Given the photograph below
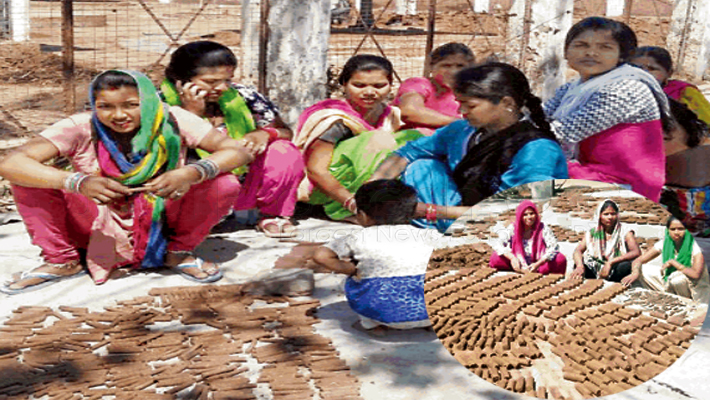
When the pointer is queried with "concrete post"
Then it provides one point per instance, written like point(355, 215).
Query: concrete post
point(689, 37)
point(543, 60)
point(614, 8)
point(297, 54)
point(20, 20)
point(249, 56)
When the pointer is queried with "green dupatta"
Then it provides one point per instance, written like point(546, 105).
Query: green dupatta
point(684, 255)
point(237, 116)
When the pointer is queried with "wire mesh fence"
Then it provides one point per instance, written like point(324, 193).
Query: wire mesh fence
point(140, 34)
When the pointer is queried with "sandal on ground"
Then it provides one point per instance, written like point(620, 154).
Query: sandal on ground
point(49, 279)
point(213, 274)
point(284, 227)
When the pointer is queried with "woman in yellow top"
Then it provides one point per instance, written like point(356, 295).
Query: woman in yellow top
point(658, 62)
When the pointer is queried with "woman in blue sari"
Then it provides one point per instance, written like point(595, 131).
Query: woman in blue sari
point(504, 141)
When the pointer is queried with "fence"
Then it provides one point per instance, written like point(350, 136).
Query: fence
point(41, 79)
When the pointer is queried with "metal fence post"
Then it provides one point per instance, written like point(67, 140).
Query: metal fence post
point(263, 47)
point(430, 35)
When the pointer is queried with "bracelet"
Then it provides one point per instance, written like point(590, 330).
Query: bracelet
point(431, 213)
point(273, 133)
point(73, 182)
point(349, 202)
point(207, 169)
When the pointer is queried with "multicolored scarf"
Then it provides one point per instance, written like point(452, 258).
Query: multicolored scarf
point(318, 118)
point(684, 255)
point(237, 116)
point(675, 88)
point(155, 149)
point(580, 93)
point(538, 244)
point(599, 249)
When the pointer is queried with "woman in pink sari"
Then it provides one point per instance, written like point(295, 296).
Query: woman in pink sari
point(611, 120)
point(528, 245)
point(658, 62)
point(131, 200)
point(429, 103)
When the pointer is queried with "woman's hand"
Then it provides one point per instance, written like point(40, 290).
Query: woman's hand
point(255, 142)
point(577, 273)
point(629, 279)
point(172, 184)
point(606, 270)
point(515, 264)
point(670, 264)
point(534, 266)
point(192, 97)
point(103, 190)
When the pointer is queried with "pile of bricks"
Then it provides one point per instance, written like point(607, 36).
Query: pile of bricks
point(195, 341)
point(497, 324)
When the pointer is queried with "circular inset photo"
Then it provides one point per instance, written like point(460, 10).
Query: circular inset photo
point(567, 289)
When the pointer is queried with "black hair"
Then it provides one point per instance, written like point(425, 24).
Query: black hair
point(670, 220)
point(450, 49)
point(695, 128)
point(387, 201)
point(365, 62)
point(609, 203)
point(493, 81)
point(187, 59)
point(111, 80)
point(622, 34)
point(661, 55)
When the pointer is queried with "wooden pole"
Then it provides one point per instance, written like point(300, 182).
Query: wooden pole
point(527, 22)
point(430, 35)
point(263, 47)
point(627, 11)
point(68, 56)
point(680, 59)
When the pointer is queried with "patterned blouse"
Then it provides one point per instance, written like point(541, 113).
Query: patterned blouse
point(262, 109)
point(626, 101)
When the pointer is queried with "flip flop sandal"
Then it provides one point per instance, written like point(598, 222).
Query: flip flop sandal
point(180, 268)
point(281, 224)
point(48, 277)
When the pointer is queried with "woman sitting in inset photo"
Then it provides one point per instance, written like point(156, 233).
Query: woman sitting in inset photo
point(529, 245)
point(607, 250)
point(683, 270)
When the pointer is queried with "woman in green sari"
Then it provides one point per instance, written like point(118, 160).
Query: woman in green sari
point(344, 141)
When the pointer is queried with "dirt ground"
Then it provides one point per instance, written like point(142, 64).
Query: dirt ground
point(123, 34)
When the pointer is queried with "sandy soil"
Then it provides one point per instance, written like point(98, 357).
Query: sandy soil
point(123, 34)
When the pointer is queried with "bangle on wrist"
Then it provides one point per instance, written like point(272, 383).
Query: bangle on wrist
point(273, 133)
point(347, 204)
point(431, 213)
point(72, 183)
point(207, 169)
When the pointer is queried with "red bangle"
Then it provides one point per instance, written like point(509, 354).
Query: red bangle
point(273, 133)
point(431, 212)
